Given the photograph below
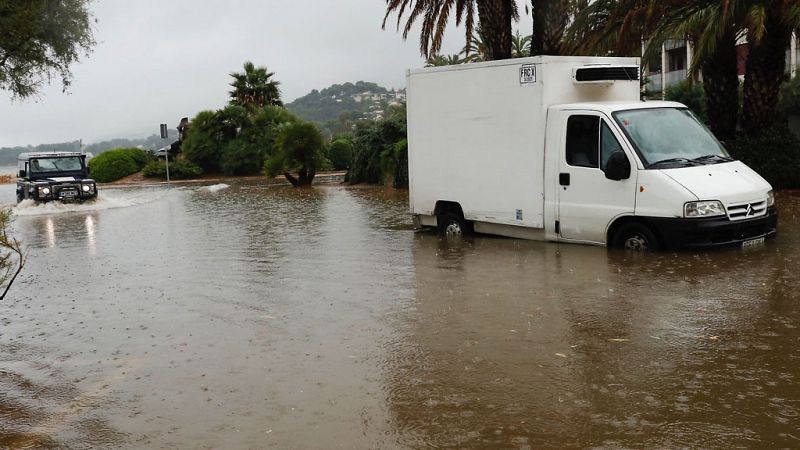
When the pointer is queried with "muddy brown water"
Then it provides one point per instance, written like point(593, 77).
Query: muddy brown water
point(267, 317)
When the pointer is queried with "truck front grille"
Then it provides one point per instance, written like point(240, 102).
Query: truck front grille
point(747, 210)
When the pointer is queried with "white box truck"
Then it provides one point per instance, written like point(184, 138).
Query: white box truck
point(562, 149)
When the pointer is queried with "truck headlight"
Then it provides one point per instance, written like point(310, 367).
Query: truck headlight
point(710, 208)
point(770, 198)
point(44, 191)
point(86, 188)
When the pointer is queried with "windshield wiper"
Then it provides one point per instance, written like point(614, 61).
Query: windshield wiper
point(674, 161)
point(710, 157)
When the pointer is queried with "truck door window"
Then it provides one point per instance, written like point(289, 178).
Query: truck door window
point(583, 139)
point(608, 144)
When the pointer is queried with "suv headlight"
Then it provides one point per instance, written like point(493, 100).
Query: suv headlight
point(770, 198)
point(86, 188)
point(44, 191)
point(710, 208)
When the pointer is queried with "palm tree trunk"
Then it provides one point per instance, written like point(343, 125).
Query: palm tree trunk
point(766, 70)
point(721, 85)
point(549, 22)
point(495, 17)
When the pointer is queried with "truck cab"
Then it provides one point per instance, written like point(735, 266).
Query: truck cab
point(48, 176)
point(647, 175)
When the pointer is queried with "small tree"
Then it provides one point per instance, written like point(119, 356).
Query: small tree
point(340, 153)
point(298, 148)
point(9, 269)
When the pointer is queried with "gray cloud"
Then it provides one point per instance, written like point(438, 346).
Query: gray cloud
point(158, 61)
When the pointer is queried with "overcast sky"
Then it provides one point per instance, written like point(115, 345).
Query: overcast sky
point(159, 60)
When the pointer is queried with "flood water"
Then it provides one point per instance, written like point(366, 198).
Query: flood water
point(268, 317)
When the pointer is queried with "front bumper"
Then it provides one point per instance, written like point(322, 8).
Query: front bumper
point(714, 232)
point(65, 193)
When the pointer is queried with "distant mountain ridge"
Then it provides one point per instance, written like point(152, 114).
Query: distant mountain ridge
point(8, 155)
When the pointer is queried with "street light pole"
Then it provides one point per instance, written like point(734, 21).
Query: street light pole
point(165, 136)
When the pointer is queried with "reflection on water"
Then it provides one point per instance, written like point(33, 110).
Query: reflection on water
point(252, 316)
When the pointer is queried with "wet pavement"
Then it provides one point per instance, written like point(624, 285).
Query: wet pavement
point(267, 317)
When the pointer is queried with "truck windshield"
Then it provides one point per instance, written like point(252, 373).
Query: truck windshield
point(670, 137)
point(64, 164)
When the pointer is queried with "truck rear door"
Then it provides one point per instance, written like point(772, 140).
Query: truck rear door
point(587, 201)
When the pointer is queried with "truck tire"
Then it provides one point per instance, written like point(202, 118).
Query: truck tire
point(453, 225)
point(19, 196)
point(635, 237)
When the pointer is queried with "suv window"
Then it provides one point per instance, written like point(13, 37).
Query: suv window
point(65, 164)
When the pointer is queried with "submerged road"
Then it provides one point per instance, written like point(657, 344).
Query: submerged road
point(250, 316)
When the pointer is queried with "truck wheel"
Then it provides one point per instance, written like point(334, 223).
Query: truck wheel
point(635, 237)
point(19, 197)
point(453, 225)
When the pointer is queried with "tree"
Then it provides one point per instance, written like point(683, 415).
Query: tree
point(550, 19)
point(254, 88)
point(298, 148)
point(770, 24)
point(444, 60)
point(495, 17)
point(8, 268)
point(340, 153)
point(520, 45)
point(40, 40)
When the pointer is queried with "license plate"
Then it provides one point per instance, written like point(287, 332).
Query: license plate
point(753, 242)
point(69, 194)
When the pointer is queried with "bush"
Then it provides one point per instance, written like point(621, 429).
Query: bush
point(340, 154)
point(375, 152)
point(178, 170)
point(115, 164)
point(773, 154)
point(691, 95)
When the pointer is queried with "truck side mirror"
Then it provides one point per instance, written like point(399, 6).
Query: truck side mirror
point(618, 166)
point(22, 174)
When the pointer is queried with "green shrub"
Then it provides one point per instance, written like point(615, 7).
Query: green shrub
point(340, 154)
point(240, 157)
point(178, 170)
point(374, 157)
point(115, 164)
point(773, 154)
point(691, 95)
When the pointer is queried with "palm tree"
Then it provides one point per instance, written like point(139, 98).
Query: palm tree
point(444, 60)
point(495, 17)
point(477, 48)
point(255, 88)
point(550, 19)
point(520, 45)
point(770, 25)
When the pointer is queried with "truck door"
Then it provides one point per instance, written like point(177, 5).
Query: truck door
point(588, 201)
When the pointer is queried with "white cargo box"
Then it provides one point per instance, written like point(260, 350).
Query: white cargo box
point(476, 132)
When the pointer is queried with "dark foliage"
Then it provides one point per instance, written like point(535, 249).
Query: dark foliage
point(773, 154)
point(178, 170)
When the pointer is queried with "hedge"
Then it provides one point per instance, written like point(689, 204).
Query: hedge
point(178, 170)
point(115, 164)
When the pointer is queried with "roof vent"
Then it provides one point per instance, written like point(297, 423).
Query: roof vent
point(605, 74)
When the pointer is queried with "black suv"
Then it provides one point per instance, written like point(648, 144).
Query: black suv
point(47, 176)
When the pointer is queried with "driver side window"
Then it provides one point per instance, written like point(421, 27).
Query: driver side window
point(590, 142)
